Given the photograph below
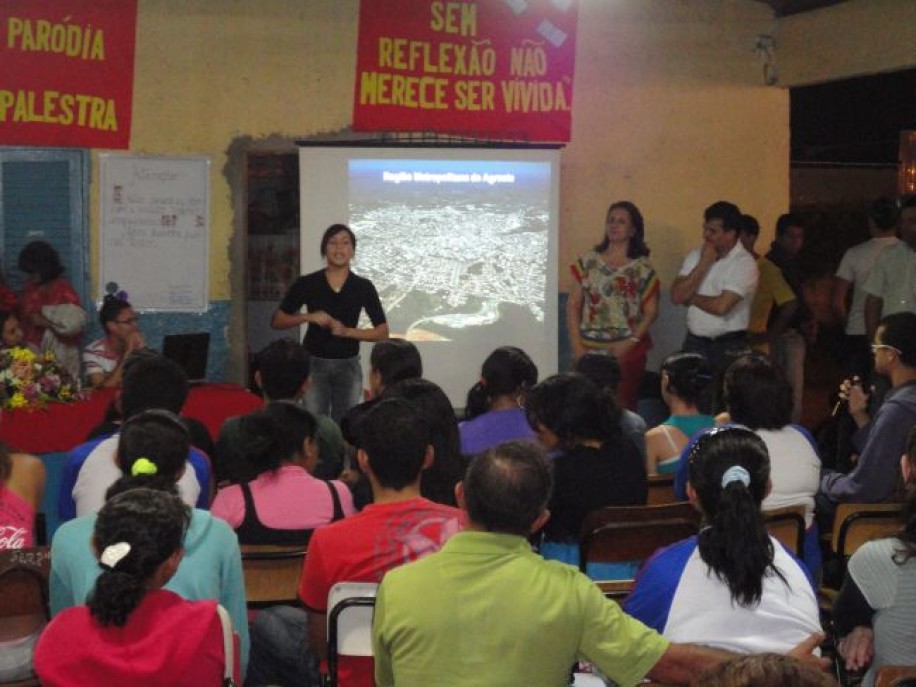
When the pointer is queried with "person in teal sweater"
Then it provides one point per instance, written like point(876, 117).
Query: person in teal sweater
point(152, 449)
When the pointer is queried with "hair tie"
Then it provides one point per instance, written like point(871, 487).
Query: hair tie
point(736, 473)
point(113, 554)
point(143, 466)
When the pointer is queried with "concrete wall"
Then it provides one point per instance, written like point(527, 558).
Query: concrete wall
point(670, 111)
point(853, 38)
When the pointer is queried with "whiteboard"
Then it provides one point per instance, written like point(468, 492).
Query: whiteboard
point(154, 235)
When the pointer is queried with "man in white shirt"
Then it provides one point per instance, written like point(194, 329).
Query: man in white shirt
point(717, 282)
point(891, 286)
point(856, 265)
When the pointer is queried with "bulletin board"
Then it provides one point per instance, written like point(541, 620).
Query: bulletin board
point(154, 234)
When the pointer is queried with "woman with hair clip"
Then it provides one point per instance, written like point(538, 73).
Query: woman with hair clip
point(103, 359)
point(132, 631)
point(493, 413)
point(152, 450)
point(875, 613)
point(732, 586)
point(684, 378)
point(284, 503)
point(615, 298)
point(595, 464)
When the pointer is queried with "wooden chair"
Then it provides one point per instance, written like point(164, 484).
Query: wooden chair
point(787, 524)
point(617, 534)
point(271, 573)
point(896, 676)
point(23, 595)
point(661, 490)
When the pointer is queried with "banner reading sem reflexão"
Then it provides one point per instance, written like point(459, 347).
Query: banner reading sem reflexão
point(66, 72)
point(480, 68)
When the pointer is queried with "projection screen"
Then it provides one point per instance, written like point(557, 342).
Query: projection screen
point(460, 243)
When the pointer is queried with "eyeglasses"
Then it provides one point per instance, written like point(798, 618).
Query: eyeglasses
point(877, 347)
point(132, 320)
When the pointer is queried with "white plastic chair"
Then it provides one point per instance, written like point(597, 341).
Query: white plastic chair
point(350, 608)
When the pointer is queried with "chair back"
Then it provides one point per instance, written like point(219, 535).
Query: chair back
point(271, 573)
point(661, 490)
point(350, 608)
point(787, 524)
point(614, 534)
point(857, 523)
point(23, 596)
point(896, 676)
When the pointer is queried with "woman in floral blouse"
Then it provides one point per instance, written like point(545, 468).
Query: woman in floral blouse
point(615, 299)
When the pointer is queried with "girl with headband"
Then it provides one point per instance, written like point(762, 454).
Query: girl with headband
point(732, 586)
point(132, 631)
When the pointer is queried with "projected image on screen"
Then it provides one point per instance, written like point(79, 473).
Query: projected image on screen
point(453, 245)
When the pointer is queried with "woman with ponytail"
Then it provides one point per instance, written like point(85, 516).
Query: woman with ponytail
point(875, 613)
point(684, 379)
point(132, 631)
point(595, 464)
point(732, 586)
point(492, 413)
point(152, 453)
point(284, 503)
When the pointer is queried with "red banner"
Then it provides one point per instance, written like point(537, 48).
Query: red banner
point(67, 72)
point(485, 69)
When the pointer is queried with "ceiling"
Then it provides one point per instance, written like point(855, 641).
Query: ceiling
point(784, 8)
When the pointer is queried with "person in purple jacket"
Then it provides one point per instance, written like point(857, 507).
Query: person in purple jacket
point(493, 413)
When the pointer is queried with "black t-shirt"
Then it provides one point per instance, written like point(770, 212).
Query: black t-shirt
point(587, 478)
point(314, 292)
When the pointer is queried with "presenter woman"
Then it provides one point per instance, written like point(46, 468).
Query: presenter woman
point(615, 299)
point(333, 299)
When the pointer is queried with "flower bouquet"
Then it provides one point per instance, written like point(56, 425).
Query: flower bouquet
point(30, 380)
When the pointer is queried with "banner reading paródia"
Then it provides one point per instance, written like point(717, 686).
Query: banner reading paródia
point(67, 72)
point(500, 69)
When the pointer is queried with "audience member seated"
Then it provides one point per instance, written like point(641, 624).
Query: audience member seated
point(134, 632)
point(448, 464)
point(880, 440)
point(391, 361)
point(22, 486)
point(486, 610)
point(150, 381)
point(604, 371)
point(732, 586)
point(22, 483)
point(685, 377)
point(493, 412)
point(875, 613)
point(282, 374)
point(103, 359)
point(285, 502)
point(11, 335)
point(400, 526)
point(764, 670)
point(595, 464)
point(758, 397)
point(152, 449)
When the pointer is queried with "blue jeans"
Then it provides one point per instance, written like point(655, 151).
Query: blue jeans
point(335, 386)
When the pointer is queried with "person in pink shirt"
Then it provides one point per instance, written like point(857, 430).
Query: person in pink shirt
point(22, 485)
point(284, 503)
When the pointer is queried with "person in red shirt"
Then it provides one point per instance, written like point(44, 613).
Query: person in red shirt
point(132, 631)
point(398, 527)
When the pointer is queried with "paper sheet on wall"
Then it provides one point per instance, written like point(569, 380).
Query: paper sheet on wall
point(154, 235)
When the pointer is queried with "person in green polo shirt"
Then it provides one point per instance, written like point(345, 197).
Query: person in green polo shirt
point(486, 610)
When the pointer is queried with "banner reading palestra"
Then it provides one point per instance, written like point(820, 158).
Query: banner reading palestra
point(67, 72)
point(482, 68)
